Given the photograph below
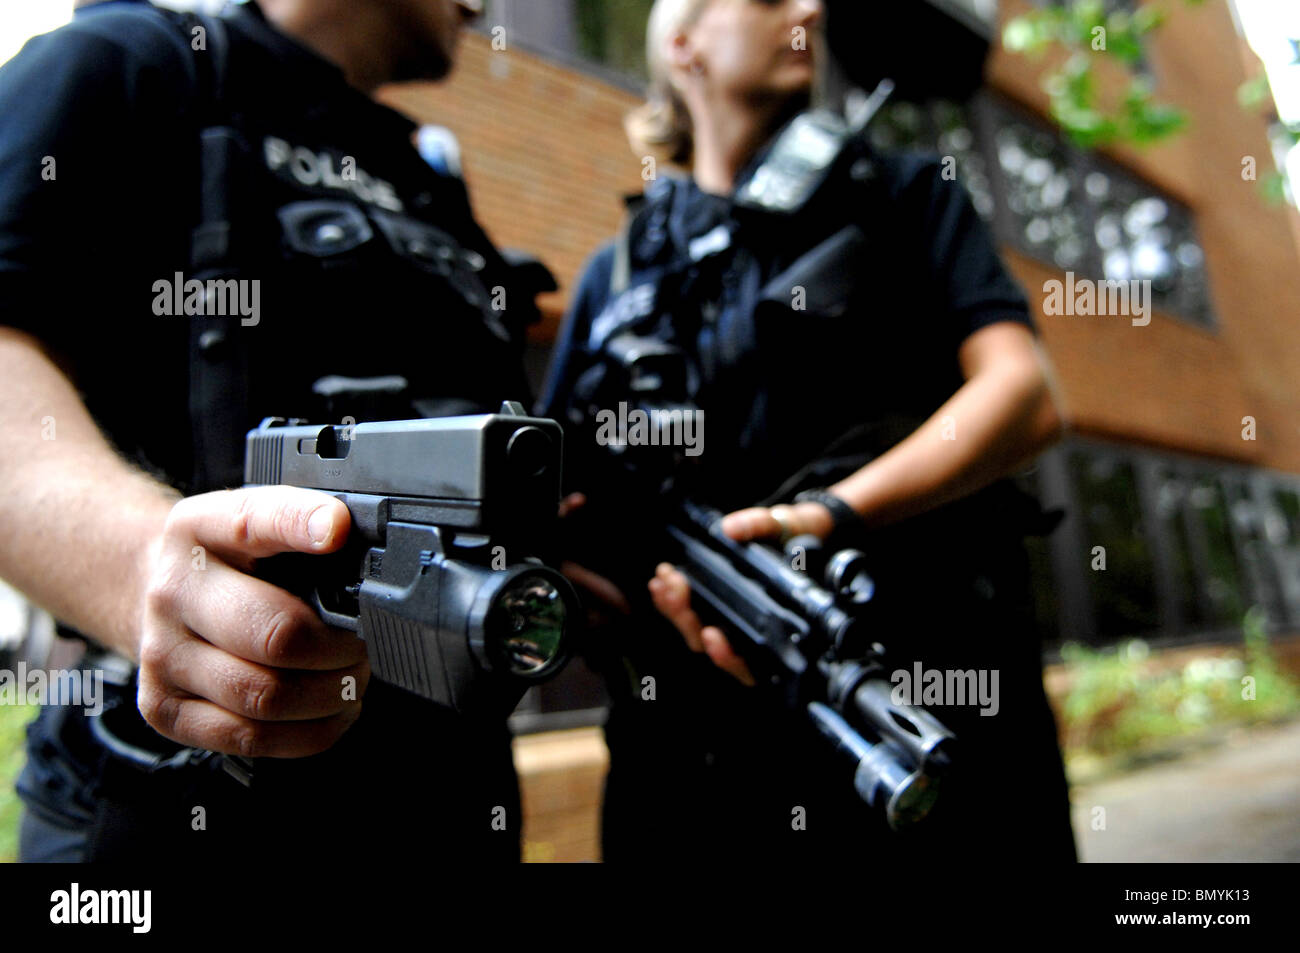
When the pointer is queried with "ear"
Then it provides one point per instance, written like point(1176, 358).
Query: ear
point(681, 51)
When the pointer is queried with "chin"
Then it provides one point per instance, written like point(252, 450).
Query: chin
point(798, 89)
point(801, 73)
point(430, 68)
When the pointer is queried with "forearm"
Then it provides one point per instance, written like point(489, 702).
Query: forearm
point(78, 519)
point(995, 423)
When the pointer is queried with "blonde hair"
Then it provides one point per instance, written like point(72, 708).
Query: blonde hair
point(662, 126)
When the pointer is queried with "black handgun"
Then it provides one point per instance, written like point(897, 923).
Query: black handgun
point(441, 574)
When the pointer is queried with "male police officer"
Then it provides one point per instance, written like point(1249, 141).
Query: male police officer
point(142, 151)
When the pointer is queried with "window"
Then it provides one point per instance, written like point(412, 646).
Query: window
point(1109, 6)
point(956, 137)
point(1207, 578)
point(1043, 194)
point(1222, 590)
point(980, 14)
point(613, 34)
point(545, 27)
point(1075, 211)
point(941, 127)
point(1280, 518)
point(904, 125)
point(604, 37)
point(1191, 546)
point(1171, 501)
point(1250, 532)
point(1285, 528)
point(1123, 592)
point(1148, 237)
point(1085, 213)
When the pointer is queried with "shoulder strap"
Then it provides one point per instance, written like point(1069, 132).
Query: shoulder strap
point(621, 273)
point(209, 72)
point(218, 354)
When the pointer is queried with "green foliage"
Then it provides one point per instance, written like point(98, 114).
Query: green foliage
point(1254, 93)
point(614, 33)
point(13, 725)
point(1125, 702)
point(1257, 94)
point(1085, 30)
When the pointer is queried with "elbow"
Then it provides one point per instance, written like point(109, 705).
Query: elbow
point(1041, 419)
point(1049, 416)
point(1045, 409)
point(1055, 428)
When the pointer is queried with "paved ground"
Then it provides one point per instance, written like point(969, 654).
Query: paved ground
point(1237, 802)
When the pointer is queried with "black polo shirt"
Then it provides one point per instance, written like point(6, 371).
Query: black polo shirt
point(707, 767)
point(99, 194)
point(876, 339)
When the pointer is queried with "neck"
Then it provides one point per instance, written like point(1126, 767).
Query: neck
point(359, 39)
point(727, 137)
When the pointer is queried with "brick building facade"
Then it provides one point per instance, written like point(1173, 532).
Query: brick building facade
point(1185, 455)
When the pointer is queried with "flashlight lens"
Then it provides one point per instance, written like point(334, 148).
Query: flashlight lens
point(912, 801)
point(526, 624)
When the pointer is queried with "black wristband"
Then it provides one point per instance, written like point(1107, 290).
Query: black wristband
point(843, 516)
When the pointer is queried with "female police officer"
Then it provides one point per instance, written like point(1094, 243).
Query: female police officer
point(851, 334)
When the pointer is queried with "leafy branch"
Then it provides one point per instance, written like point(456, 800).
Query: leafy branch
point(1087, 29)
point(1256, 94)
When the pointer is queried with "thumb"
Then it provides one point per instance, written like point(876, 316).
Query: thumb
point(261, 521)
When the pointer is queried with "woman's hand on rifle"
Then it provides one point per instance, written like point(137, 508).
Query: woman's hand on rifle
point(671, 592)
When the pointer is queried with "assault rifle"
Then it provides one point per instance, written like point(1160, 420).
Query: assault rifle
point(806, 632)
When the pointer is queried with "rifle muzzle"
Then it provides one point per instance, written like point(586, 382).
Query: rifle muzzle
point(881, 779)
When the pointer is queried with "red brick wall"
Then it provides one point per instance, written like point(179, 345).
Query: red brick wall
point(1169, 383)
point(546, 161)
point(544, 153)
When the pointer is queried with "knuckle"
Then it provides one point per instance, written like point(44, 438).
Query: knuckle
point(156, 649)
point(248, 740)
point(243, 530)
point(160, 710)
point(157, 596)
point(162, 590)
point(153, 653)
point(261, 696)
point(147, 700)
point(179, 518)
point(282, 634)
